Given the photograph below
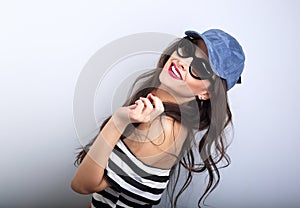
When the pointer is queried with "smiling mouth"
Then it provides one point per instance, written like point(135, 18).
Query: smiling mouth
point(174, 72)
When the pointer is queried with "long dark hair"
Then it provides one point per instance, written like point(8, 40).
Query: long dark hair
point(210, 116)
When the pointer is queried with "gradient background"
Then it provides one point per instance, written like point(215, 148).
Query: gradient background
point(45, 44)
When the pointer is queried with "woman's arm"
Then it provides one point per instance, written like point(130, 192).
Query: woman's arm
point(89, 175)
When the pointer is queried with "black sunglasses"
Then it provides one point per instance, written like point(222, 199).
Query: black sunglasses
point(200, 68)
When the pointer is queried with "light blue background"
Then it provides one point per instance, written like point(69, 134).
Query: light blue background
point(45, 44)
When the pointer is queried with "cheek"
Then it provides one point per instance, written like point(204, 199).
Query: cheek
point(166, 65)
point(197, 86)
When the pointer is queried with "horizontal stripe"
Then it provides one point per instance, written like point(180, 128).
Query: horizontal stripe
point(121, 204)
point(137, 169)
point(128, 180)
point(133, 183)
point(147, 172)
point(105, 194)
point(100, 204)
point(119, 164)
point(149, 169)
point(117, 199)
point(131, 203)
point(129, 187)
point(131, 191)
point(131, 199)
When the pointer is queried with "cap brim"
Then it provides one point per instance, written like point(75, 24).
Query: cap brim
point(193, 34)
point(196, 35)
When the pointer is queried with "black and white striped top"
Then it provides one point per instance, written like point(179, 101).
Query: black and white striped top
point(133, 183)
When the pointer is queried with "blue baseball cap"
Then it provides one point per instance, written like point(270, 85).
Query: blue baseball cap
point(225, 54)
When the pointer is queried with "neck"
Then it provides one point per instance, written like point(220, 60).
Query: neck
point(166, 96)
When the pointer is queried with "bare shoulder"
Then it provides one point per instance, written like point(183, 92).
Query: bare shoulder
point(170, 142)
point(163, 134)
point(173, 126)
point(159, 143)
point(174, 133)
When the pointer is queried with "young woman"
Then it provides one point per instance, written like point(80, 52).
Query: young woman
point(138, 148)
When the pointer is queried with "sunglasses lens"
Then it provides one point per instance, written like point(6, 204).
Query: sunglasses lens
point(186, 48)
point(200, 69)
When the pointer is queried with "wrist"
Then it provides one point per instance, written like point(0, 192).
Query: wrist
point(120, 120)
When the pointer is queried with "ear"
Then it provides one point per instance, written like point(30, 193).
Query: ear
point(204, 96)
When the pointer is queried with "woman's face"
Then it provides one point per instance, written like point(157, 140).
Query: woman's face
point(176, 79)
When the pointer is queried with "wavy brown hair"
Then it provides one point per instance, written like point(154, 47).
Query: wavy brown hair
point(210, 117)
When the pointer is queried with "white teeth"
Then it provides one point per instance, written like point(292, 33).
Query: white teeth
point(175, 72)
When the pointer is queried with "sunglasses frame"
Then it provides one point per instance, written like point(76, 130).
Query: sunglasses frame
point(201, 61)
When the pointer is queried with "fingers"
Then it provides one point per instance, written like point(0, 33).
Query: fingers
point(139, 106)
point(146, 109)
point(132, 106)
point(156, 102)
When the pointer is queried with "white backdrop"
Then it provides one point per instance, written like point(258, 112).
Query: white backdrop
point(44, 45)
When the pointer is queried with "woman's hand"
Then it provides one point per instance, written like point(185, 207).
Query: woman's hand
point(144, 110)
point(89, 177)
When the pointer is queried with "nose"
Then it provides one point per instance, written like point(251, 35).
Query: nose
point(184, 63)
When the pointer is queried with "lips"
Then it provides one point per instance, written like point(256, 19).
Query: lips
point(174, 72)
